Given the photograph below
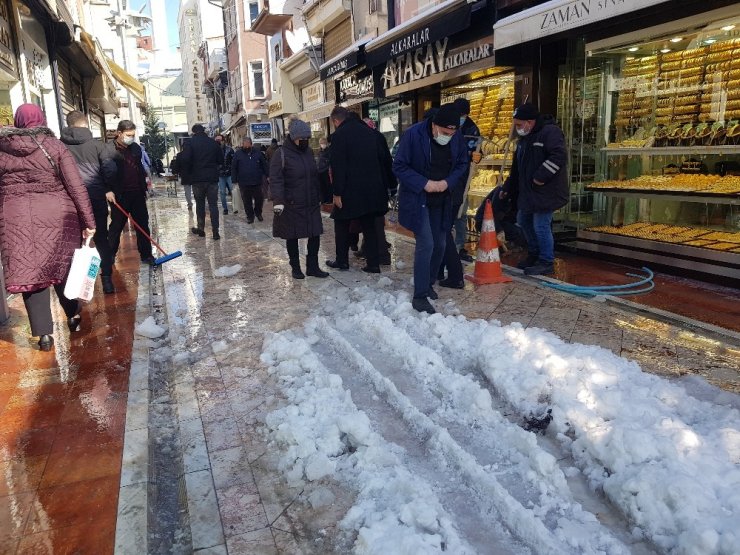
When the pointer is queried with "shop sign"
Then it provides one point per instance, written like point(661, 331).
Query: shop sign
point(433, 59)
point(274, 109)
point(7, 54)
point(379, 50)
point(338, 66)
point(260, 131)
point(313, 95)
point(353, 86)
point(557, 16)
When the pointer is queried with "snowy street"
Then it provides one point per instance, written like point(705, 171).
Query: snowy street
point(327, 416)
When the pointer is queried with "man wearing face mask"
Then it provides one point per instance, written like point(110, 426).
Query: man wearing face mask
point(248, 169)
point(129, 189)
point(430, 162)
point(539, 178)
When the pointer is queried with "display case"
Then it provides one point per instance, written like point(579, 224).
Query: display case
point(666, 187)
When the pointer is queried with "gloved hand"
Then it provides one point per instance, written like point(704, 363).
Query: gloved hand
point(278, 209)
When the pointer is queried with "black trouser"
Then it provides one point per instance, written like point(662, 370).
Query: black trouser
point(38, 307)
point(380, 237)
point(253, 199)
point(100, 211)
point(201, 192)
point(325, 187)
point(342, 239)
point(312, 258)
point(451, 259)
point(135, 204)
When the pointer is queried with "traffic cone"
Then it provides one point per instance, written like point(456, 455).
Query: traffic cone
point(488, 261)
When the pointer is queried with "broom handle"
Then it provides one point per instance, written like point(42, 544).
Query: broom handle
point(131, 219)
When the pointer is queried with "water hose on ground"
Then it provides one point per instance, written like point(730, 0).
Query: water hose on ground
point(616, 290)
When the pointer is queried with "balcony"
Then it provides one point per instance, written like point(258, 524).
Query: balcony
point(217, 62)
point(273, 17)
point(322, 15)
point(303, 66)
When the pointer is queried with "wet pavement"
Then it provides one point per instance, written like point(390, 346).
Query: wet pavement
point(62, 417)
point(198, 474)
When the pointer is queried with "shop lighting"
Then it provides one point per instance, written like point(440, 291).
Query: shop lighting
point(710, 41)
point(633, 49)
point(676, 39)
point(665, 50)
point(728, 27)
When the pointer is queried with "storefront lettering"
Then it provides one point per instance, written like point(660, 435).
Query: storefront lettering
point(469, 55)
point(574, 12)
point(341, 65)
point(409, 42)
point(351, 86)
point(274, 108)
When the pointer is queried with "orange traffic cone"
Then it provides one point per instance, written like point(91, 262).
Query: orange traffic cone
point(488, 261)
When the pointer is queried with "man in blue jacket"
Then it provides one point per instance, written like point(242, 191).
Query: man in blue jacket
point(429, 164)
point(540, 179)
point(248, 169)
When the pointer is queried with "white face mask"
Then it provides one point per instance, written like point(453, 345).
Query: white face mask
point(442, 140)
point(522, 132)
point(462, 120)
point(128, 141)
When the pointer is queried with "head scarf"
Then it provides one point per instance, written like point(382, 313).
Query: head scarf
point(29, 115)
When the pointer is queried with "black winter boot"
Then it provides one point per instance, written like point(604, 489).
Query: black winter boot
point(297, 272)
point(312, 267)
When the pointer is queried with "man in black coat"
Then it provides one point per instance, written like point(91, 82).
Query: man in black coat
point(200, 160)
point(130, 190)
point(248, 169)
point(98, 171)
point(360, 169)
point(224, 171)
point(540, 179)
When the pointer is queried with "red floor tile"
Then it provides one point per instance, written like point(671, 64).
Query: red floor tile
point(21, 475)
point(14, 511)
point(20, 443)
point(92, 461)
point(78, 435)
point(90, 538)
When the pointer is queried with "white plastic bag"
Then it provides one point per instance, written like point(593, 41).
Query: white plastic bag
point(82, 273)
point(236, 198)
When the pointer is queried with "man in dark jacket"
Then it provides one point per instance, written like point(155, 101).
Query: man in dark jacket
point(224, 171)
point(430, 162)
point(322, 163)
point(539, 177)
point(177, 169)
point(98, 172)
point(200, 160)
point(248, 169)
point(471, 133)
point(359, 184)
point(130, 189)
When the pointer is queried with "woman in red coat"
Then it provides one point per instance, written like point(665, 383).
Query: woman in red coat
point(43, 209)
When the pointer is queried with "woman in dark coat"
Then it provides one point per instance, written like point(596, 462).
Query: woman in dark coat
point(296, 197)
point(44, 213)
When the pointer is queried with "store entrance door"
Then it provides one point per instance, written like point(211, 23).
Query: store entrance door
point(427, 98)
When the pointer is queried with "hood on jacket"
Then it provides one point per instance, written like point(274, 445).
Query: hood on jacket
point(75, 135)
point(19, 141)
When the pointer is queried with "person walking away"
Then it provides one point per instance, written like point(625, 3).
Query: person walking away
point(43, 203)
point(98, 171)
point(323, 165)
point(471, 134)
point(248, 169)
point(272, 149)
point(177, 169)
point(224, 171)
point(431, 160)
point(296, 194)
point(201, 158)
point(357, 164)
point(539, 179)
point(129, 190)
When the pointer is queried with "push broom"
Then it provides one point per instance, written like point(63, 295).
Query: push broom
point(161, 259)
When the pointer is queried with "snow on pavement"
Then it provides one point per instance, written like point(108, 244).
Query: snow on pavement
point(420, 416)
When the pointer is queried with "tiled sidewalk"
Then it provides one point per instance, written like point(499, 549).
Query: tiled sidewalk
point(62, 418)
point(238, 502)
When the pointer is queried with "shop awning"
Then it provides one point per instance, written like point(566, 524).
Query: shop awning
point(127, 80)
point(238, 122)
point(103, 90)
point(347, 59)
point(435, 23)
point(557, 16)
point(318, 112)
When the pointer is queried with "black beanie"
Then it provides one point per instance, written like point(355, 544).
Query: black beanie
point(526, 112)
point(447, 117)
point(463, 106)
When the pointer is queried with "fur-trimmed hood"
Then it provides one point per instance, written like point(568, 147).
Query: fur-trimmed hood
point(19, 141)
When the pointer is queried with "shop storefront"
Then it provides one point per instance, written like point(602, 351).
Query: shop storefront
point(8, 63)
point(316, 110)
point(650, 110)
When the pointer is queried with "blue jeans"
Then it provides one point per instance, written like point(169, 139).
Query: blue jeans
point(224, 182)
point(537, 230)
point(430, 249)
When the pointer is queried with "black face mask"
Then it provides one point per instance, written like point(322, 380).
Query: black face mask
point(302, 144)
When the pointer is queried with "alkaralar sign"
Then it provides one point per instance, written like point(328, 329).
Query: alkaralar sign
point(430, 60)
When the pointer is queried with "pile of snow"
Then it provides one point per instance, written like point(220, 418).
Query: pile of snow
point(400, 264)
point(668, 462)
point(385, 282)
point(149, 328)
point(227, 271)
point(219, 346)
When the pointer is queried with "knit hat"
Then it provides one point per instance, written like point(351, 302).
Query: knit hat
point(299, 129)
point(447, 117)
point(463, 106)
point(526, 112)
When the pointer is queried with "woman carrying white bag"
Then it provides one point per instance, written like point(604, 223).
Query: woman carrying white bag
point(44, 211)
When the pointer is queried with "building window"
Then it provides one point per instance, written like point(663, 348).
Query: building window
point(256, 79)
point(251, 11)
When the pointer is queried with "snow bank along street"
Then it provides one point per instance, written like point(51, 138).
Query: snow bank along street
point(328, 416)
